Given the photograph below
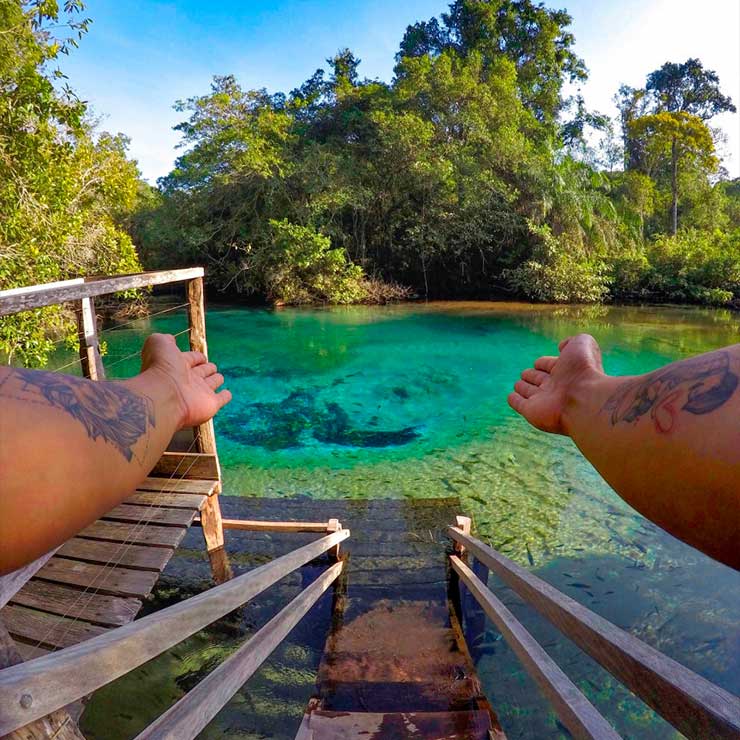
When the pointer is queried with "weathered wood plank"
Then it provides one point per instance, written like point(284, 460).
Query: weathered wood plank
point(186, 465)
point(694, 706)
point(35, 296)
point(151, 534)
point(11, 583)
point(29, 652)
point(254, 525)
point(104, 579)
point(55, 726)
point(326, 725)
point(196, 709)
point(50, 630)
point(60, 678)
point(124, 554)
point(167, 500)
point(55, 598)
point(178, 485)
point(575, 711)
point(145, 514)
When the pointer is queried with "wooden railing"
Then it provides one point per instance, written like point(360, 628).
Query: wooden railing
point(693, 705)
point(31, 690)
point(82, 293)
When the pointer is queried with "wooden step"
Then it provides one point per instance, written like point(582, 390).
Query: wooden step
point(168, 500)
point(417, 696)
point(56, 598)
point(126, 555)
point(99, 578)
point(178, 485)
point(129, 532)
point(154, 514)
point(323, 725)
point(50, 630)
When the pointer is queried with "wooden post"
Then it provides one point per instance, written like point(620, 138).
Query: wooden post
point(87, 332)
point(334, 525)
point(464, 523)
point(205, 442)
point(205, 434)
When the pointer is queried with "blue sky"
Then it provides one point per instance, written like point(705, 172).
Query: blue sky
point(142, 55)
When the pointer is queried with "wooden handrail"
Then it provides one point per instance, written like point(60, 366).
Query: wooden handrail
point(575, 711)
point(255, 525)
point(692, 704)
point(36, 296)
point(195, 710)
point(36, 688)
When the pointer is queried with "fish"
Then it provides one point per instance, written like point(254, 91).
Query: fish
point(449, 485)
point(529, 554)
point(577, 584)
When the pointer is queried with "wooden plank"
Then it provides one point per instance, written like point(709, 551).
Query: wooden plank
point(29, 652)
point(167, 500)
point(186, 465)
point(178, 485)
point(151, 534)
point(575, 711)
point(60, 678)
point(11, 583)
point(694, 706)
point(327, 725)
point(197, 708)
point(35, 296)
point(55, 726)
point(145, 514)
point(49, 630)
point(102, 578)
point(254, 525)
point(87, 334)
point(123, 554)
point(55, 598)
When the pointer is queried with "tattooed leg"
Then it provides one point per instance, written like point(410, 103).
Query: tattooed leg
point(698, 386)
point(107, 411)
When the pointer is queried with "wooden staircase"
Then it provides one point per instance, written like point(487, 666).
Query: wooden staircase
point(398, 670)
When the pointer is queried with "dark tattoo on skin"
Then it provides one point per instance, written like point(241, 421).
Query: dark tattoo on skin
point(108, 411)
point(699, 385)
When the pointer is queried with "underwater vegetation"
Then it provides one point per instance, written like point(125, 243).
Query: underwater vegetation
point(300, 416)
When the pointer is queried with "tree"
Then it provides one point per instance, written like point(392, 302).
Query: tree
point(687, 88)
point(681, 139)
point(64, 188)
point(530, 35)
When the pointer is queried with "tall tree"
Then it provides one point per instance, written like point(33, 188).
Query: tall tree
point(530, 35)
point(680, 138)
point(675, 88)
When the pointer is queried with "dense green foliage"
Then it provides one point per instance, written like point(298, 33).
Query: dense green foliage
point(63, 189)
point(469, 175)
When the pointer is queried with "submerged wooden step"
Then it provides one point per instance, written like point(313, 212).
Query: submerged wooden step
point(326, 725)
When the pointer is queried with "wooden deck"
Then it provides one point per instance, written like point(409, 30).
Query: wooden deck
point(98, 580)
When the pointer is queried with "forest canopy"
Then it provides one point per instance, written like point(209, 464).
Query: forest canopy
point(472, 173)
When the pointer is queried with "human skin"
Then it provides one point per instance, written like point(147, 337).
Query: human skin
point(71, 449)
point(668, 442)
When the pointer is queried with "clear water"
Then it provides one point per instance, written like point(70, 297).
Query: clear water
point(410, 401)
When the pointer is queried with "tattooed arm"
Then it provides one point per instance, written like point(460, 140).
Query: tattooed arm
point(71, 449)
point(668, 442)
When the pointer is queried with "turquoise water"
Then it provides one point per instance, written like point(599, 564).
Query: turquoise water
point(410, 401)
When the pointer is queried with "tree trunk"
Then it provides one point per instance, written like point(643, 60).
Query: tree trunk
point(674, 187)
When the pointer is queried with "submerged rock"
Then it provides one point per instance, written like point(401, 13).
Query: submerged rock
point(289, 423)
